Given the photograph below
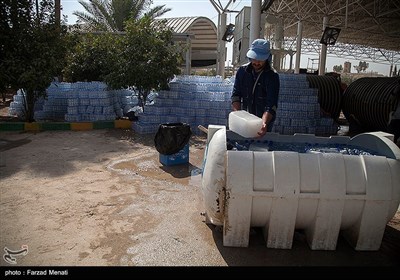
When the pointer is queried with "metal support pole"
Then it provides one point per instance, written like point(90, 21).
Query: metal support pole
point(221, 46)
point(277, 61)
point(57, 7)
point(324, 48)
point(255, 20)
point(291, 61)
point(188, 68)
point(298, 47)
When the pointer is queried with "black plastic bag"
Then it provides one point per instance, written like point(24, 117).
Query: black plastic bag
point(172, 137)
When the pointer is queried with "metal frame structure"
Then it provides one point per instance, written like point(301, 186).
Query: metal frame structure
point(341, 50)
point(370, 29)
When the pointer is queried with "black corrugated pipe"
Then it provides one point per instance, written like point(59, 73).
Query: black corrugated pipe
point(329, 94)
point(367, 102)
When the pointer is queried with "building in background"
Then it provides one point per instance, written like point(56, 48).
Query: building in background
point(347, 67)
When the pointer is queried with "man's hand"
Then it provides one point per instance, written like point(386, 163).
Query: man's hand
point(236, 106)
point(263, 130)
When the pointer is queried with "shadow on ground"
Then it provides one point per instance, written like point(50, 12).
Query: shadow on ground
point(68, 151)
point(257, 254)
point(182, 170)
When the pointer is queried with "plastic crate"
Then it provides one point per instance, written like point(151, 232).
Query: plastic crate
point(180, 157)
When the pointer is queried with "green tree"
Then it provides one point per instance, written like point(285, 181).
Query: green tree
point(14, 15)
point(32, 48)
point(147, 60)
point(362, 66)
point(338, 68)
point(111, 15)
point(92, 58)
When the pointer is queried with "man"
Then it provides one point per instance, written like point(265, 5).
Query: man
point(256, 86)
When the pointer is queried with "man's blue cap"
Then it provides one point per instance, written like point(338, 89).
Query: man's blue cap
point(259, 50)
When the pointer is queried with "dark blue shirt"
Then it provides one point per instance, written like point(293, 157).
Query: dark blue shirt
point(266, 91)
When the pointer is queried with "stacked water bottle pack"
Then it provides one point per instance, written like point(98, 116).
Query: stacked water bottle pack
point(125, 101)
point(195, 100)
point(204, 100)
point(78, 102)
point(54, 106)
point(17, 105)
point(299, 110)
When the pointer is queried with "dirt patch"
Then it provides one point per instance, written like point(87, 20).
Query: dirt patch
point(85, 198)
point(395, 222)
point(102, 198)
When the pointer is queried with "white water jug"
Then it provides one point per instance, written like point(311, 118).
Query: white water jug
point(244, 123)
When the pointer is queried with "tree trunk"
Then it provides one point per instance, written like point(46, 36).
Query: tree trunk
point(29, 103)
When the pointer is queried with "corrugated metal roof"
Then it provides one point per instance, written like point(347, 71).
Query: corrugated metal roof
point(203, 34)
point(184, 24)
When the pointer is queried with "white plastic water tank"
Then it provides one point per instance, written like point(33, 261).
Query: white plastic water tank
point(324, 194)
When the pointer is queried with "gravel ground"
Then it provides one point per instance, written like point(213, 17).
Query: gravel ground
point(102, 198)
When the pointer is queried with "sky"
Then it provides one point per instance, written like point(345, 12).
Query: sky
point(185, 8)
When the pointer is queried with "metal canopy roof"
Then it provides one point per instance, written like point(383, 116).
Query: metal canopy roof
point(366, 25)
